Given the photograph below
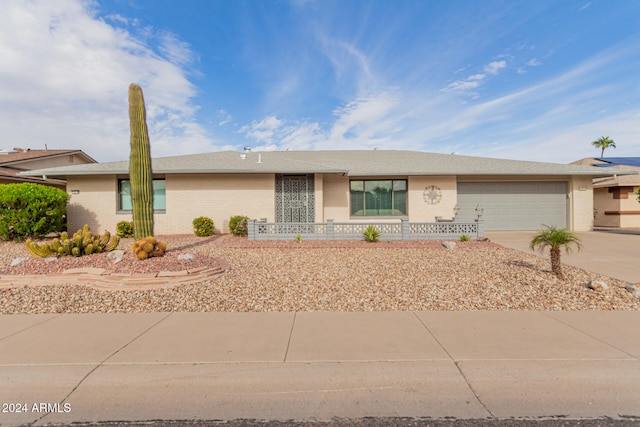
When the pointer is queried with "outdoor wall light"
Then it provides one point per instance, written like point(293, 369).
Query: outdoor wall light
point(456, 211)
point(479, 211)
point(75, 191)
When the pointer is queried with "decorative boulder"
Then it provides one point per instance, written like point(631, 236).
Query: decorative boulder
point(598, 285)
point(17, 261)
point(183, 257)
point(634, 289)
point(115, 256)
point(449, 245)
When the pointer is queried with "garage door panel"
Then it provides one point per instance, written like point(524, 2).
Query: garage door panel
point(514, 205)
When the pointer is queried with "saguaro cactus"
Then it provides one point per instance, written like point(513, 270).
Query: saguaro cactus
point(140, 173)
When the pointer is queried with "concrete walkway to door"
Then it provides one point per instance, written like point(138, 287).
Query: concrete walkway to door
point(610, 254)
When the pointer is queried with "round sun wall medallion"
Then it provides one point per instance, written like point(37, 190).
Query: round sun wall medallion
point(432, 195)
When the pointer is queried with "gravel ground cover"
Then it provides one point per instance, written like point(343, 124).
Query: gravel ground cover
point(331, 276)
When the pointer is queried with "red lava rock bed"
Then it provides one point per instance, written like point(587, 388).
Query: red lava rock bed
point(181, 244)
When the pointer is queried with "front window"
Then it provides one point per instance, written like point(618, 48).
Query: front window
point(378, 197)
point(159, 195)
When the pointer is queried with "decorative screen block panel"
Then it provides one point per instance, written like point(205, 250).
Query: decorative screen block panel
point(295, 198)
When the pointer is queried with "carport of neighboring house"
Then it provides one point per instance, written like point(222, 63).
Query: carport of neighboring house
point(515, 205)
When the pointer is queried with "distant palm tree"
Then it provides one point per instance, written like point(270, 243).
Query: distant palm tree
point(555, 238)
point(604, 142)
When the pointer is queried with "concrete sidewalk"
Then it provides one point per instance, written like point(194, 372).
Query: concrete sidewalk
point(611, 254)
point(316, 366)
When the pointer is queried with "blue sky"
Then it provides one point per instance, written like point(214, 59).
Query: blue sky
point(531, 80)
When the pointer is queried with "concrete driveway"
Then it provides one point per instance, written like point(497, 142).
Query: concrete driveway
point(611, 254)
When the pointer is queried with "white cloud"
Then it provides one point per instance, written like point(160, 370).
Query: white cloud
point(223, 117)
point(365, 122)
point(535, 62)
point(551, 120)
point(303, 136)
point(65, 75)
point(585, 7)
point(263, 131)
point(494, 67)
point(475, 80)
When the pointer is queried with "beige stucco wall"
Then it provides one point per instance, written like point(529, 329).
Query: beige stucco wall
point(336, 197)
point(218, 197)
point(604, 201)
point(630, 204)
point(319, 197)
point(95, 204)
point(421, 211)
point(222, 196)
point(188, 196)
point(580, 203)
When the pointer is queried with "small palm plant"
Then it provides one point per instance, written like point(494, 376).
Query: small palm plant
point(555, 239)
point(371, 234)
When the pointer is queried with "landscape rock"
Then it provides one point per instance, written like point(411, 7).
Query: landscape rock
point(284, 276)
point(51, 259)
point(634, 289)
point(598, 285)
point(17, 261)
point(183, 257)
point(116, 256)
point(449, 245)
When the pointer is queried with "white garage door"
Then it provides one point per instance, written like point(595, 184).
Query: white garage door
point(514, 205)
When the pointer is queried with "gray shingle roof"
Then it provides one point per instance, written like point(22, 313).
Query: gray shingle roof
point(350, 162)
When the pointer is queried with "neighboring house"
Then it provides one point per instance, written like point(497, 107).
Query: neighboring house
point(345, 186)
point(18, 160)
point(615, 197)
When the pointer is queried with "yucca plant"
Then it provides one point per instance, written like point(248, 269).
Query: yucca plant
point(555, 239)
point(371, 234)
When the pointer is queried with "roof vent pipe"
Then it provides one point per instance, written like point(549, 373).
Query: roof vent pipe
point(247, 149)
point(259, 158)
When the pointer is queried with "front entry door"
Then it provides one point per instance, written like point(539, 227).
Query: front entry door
point(295, 198)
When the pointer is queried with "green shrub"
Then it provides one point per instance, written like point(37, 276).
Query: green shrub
point(203, 226)
point(124, 229)
point(464, 238)
point(238, 225)
point(31, 210)
point(371, 234)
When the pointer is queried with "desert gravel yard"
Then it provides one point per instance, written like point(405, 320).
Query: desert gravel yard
point(326, 276)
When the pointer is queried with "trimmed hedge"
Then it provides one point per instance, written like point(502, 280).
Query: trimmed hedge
point(31, 210)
